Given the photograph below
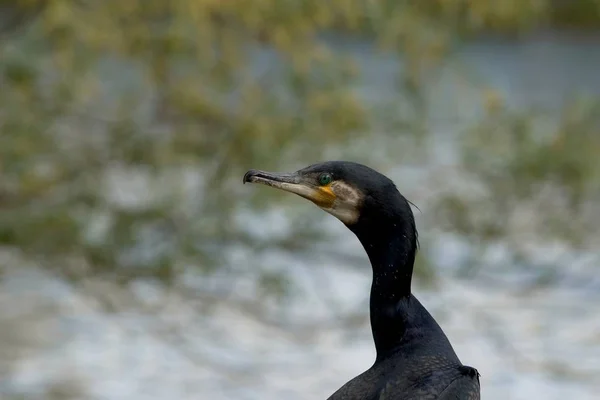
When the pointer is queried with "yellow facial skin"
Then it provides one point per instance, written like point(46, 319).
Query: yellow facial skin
point(324, 196)
point(337, 198)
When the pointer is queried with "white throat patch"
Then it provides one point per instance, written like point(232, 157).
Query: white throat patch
point(347, 203)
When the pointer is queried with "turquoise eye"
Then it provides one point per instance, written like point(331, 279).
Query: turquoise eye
point(325, 179)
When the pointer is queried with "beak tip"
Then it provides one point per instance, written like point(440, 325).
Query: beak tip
point(248, 176)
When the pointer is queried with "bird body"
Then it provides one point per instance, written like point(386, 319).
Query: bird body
point(414, 359)
point(423, 366)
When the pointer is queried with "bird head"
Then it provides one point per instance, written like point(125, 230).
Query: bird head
point(349, 191)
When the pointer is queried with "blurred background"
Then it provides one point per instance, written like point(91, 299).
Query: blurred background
point(135, 265)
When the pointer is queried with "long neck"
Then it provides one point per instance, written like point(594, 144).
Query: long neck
point(391, 247)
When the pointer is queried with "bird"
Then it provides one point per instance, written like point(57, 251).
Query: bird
point(414, 358)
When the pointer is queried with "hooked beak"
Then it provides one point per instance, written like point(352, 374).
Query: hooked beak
point(293, 183)
point(278, 180)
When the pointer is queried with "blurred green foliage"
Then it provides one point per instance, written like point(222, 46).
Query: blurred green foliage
point(125, 126)
point(554, 172)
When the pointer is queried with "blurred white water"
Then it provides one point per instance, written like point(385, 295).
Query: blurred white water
point(545, 344)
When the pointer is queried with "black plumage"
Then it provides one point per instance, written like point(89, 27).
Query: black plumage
point(414, 358)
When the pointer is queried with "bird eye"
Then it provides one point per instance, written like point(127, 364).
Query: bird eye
point(325, 179)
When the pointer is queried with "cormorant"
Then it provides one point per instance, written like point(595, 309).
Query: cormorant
point(414, 358)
